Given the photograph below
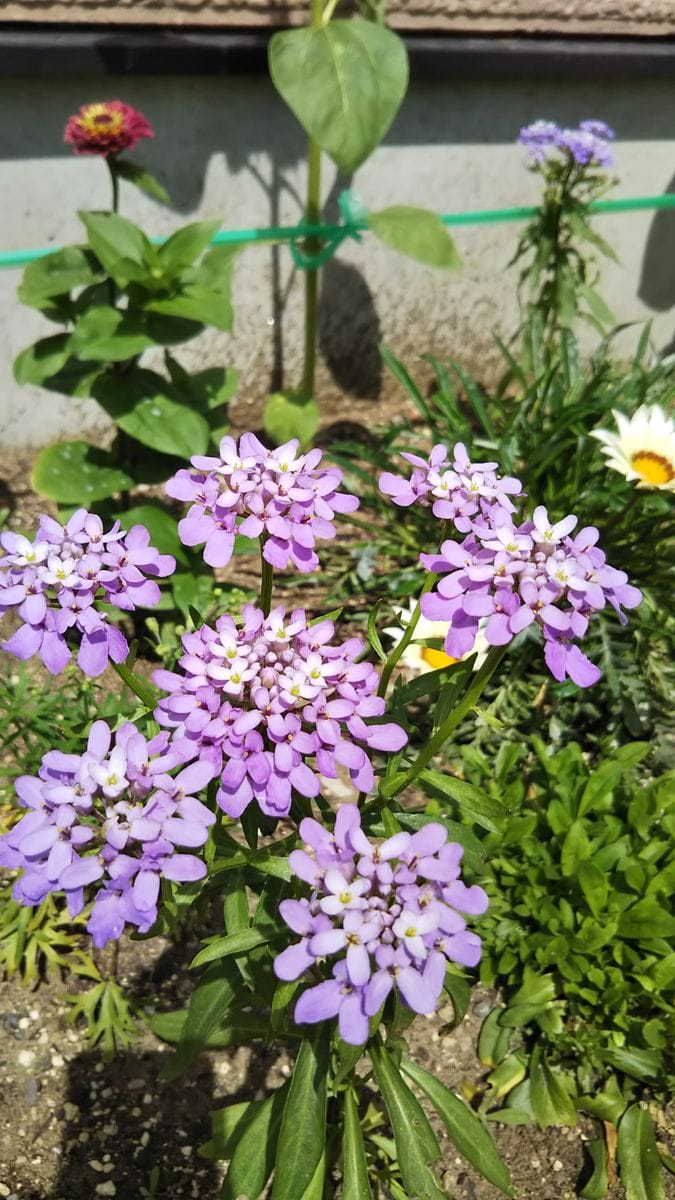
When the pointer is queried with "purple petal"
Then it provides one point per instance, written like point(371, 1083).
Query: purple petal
point(319, 1003)
point(353, 1022)
point(415, 991)
point(293, 961)
point(183, 868)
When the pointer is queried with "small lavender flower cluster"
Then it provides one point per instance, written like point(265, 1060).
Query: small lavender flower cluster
point(390, 911)
point(55, 581)
point(510, 576)
point(459, 490)
point(281, 496)
point(589, 144)
point(261, 699)
point(112, 816)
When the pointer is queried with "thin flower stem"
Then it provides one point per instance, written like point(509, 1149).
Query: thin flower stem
point(328, 11)
point(312, 245)
point(435, 743)
point(115, 181)
point(266, 581)
point(405, 641)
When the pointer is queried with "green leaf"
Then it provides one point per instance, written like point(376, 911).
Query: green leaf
point(574, 848)
point(253, 1155)
point(344, 81)
point(58, 273)
point(494, 1039)
point(464, 1127)
point(417, 233)
point(162, 527)
point(302, 1137)
point(107, 334)
point(639, 1064)
point(600, 785)
point(638, 1156)
point(197, 304)
point(600, 310)
point(146, 691)
point(646, 920)
point(43, 359)
point(142, 180)
point(212, 998)
point(373, 634)
point(121, 248)
point(416, 1143)
point(477, 805)
point(551, 1104)
point(288, 415)
point(227, 1127)
point(77, 473)
point(355, 1185)
point(185, 245)
point(594, 885)
point(233, 943)
point(235, 1030)
point(598, 1185)
point(141, 404)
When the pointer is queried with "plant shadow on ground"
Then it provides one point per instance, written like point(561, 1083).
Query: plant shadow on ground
point(121, 1121)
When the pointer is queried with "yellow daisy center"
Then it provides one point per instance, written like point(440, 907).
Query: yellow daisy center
point(437, 658)
point(653, 468)
point(98, 118)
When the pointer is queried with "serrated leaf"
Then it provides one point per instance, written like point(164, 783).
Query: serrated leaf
point(416, 1143)
point(185, 245)
point(107, 334)
point(646, 920)
point(77, 473)
point(344, 81)
point(58, 273)
point(121, 247)
point(417, 233)
point(465, 1129)
point(302, 1137)
point(551, 1104)
point(638, 1156)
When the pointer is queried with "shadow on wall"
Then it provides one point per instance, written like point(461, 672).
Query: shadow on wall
point(657, 277)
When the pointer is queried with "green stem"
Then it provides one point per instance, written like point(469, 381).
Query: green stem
point(405, 641)
point(115, 181)
point(438, 740)
point(266, 580)
point(312, 246)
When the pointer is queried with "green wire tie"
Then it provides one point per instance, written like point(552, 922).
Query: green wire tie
point(354, 223)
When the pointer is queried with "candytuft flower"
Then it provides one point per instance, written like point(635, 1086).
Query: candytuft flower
point(273, 704)
point(512, 576)
point(644, 447)
point(112, 817)
point(55, 581)
point(385, 916)
point(106, 127)
point(285, 498)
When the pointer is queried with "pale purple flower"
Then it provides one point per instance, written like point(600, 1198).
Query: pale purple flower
point(285, 498)
point(113, 817)
point(55, 582)
point(586, 145)
point(391, 912)
point(512, 576)
point(273, 704)
point(457, 490)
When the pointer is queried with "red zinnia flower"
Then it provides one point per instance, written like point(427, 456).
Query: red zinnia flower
point(106, 127)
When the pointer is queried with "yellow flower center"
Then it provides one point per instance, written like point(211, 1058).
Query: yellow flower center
point(98, 118)
point(437, 658)
point(345, 897)
point(653, 468)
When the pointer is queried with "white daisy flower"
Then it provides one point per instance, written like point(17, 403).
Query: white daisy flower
point(418, 657)
point(644, 447)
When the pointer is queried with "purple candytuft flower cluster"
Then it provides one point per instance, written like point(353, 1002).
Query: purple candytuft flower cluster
point(281, 496)
point(457, 490)
point(589, 144)
point(391, 912)
point(512, 576)
point(271, 703)
point(112, 817)
point(55, 581)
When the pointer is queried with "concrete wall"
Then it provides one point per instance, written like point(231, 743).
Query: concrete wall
point(226, 147)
